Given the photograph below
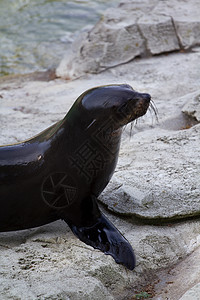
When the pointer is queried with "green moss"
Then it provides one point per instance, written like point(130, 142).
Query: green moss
point(142, 295)
point(127, 47)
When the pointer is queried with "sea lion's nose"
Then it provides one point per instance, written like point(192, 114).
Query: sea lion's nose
point(146, 96)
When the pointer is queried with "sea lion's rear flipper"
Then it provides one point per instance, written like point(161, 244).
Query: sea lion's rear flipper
point(103, 235)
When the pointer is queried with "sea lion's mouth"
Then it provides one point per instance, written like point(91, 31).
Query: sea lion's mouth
point(140, 108)
point(134, 108)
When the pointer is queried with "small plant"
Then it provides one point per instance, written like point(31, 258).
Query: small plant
point(142, 295)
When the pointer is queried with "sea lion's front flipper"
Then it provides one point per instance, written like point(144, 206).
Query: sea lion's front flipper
point(103, 235)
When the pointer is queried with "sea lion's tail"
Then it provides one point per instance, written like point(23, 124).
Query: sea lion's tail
point(103, 235)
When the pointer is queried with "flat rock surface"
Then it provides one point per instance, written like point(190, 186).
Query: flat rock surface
point(159, 153)
point(172, 282)
point(157, 178)
point(160, 178)
point(193, 293)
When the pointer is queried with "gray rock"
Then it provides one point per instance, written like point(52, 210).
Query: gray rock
point(192, 106)
point(161, 181)
point(50, 262)
point(103, 47)
point(192, 294)
point(159, 33)
point(136, 28)
point(37, 269)
point(185, 19)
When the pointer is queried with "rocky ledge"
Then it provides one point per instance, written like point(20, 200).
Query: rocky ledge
point(153, 197)
point(134, 29)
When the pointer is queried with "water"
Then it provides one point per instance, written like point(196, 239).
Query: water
point(34, 34)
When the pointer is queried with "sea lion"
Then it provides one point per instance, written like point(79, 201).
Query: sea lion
point(59, 173)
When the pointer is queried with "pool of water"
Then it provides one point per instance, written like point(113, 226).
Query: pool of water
point(34, 34)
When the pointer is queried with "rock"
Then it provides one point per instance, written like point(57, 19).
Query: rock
point(36, 263)
point(49, 262)
point(96, 51)
point(192, 106)
point(159, 33)
point(185, 19)
point(161, 181)
point(192, 294)
point(136, 28)
point(175, 281)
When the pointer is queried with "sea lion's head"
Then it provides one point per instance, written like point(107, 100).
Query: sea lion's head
point(117, 102)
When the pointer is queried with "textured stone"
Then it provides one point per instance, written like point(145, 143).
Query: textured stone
point(135, 28)
point(185, 18)
point(161, 181)
point(105, 46)
point(49, 262)
point(192, 294)
point(192, 106)
point(159, 33)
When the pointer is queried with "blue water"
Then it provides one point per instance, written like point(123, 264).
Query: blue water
point(34, 34)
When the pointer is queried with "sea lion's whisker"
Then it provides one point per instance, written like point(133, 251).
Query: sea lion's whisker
point(153, 108)
point(124, 128)
point(133, 123)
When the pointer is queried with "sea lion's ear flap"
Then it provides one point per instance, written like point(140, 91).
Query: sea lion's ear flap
point(103, 235)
